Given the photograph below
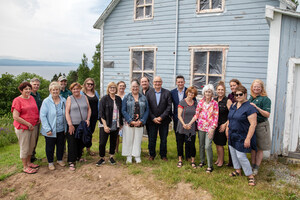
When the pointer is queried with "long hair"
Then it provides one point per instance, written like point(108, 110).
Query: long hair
point(262, 85)
point(84, 85)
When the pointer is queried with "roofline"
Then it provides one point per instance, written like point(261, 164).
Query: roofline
point(270, 12)
point(106, 13)
point(291, 5)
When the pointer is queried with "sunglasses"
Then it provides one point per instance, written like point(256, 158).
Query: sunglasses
point(239, 94)
point(90, 84)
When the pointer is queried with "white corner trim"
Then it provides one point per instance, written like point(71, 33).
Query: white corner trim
point(269, 12)
point(289, 104)
point(273, 59)
point(102, 60)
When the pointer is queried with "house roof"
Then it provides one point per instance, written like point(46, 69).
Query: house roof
point(270, 12)
point(291, 5)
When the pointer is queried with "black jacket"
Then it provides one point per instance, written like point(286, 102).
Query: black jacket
point(106, 110)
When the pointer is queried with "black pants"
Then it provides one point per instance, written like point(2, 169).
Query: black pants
point(75, 147)
point(189, 144)
point(37, 139)
point(103, 137)
point(93, 122)
point(187, 150)
point(59, 141)
point(152, 137)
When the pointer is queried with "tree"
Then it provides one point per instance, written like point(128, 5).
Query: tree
point(95, 71)
point(8, 91)
point(55, 78)
point(83, 70)
point(72, 77)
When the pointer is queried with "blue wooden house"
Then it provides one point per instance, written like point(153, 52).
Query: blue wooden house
point(203, 40)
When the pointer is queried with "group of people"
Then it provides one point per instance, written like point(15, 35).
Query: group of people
point(72, 115)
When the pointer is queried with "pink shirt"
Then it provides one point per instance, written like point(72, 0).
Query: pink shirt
point(28, 111)
point(207, 115)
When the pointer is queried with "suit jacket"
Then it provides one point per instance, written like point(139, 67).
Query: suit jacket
point(175, 100)
point(163, 109)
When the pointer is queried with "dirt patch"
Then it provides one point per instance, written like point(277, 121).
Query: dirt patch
point(91, 182)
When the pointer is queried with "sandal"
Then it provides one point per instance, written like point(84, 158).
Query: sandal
point(29, 170)
point(72, 167)
point(251, 181)
point(179, 164)
point(32, 165)
point(82, 160)
point(201, 164)
point(209, 170)
point(91, 153)
point(194, 166)
point(235, 173)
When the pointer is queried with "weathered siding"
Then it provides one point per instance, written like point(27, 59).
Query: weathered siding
point(242, 26)
point(289, 47)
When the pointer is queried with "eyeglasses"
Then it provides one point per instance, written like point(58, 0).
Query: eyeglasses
point(90, 84)
point(238, 94)
point(112, 88)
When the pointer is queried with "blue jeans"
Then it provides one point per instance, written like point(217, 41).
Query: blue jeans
point(240, 160)
point(163, 134)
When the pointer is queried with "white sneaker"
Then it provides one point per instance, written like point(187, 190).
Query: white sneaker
point(255, 171)
point(51, 166)
point(138, 159)
point(129, 160)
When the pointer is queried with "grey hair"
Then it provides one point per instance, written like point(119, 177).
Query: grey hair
point(53, 85)
point(35, 80)
point(208, 87)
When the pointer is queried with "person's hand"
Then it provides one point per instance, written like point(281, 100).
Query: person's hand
point(247, 143)
point(159, 119)
point(138, 123)
point(222, 128)
point(39, 121)
point(156, 121)
point(49, 133)
point(133, 123)
point(253, 104)
point(30, 127)
point(106, 129)
point(71, 129)
point(87, 122)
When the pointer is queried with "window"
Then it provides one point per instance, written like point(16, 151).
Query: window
point(142, 62)
point(143, 9)
point(210, 6)
point(207, 65)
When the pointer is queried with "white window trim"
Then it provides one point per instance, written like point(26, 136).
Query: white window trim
point(145, 18)
point(143, 48)
point(217, 10)
point(208, 48)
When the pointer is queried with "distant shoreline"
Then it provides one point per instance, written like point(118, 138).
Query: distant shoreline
point(15, 62)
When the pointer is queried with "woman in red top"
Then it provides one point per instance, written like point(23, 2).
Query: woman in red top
point(26, 117)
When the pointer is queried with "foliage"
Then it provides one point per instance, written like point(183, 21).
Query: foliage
point(83, 70)
point(296, 2)
point(95, 71)
point(72, 77)
point(55, 78)
point(7, 134)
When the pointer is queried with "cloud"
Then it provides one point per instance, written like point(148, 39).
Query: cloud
point(56, 30)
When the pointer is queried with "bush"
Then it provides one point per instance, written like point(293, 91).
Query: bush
point(7, 134)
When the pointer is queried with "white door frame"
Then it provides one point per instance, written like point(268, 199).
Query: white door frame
point(289, 104)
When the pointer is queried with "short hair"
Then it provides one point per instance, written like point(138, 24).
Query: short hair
point(24, 85)
point(53, 85)
point(235, 81)
point(221, 83)
point(74, 85)
point(180, 76)
point(84, 85)
point(135, 80)
point(208, 87)
point(111, 84)
point(242, 89)
point(146, 78)
point(262, 85)
point(191, 89)
point(120, 83)
point(35, 80)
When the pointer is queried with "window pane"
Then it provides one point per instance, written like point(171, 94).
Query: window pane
point(139, 2)
point(215, 62)
point(199, 83)
point(149, 60)
point(137, 60)
point(214, 80)
point(216, 4)
point(200, 60)
point(148, 11)
point(150, 76)
point(204, 4)
point(139, 13)
point(136, 76)
point(148, 1)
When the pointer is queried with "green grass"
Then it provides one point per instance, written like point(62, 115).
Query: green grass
point(7, 134)
point(219, 184)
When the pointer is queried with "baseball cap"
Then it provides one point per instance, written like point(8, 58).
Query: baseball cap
point(62, 78)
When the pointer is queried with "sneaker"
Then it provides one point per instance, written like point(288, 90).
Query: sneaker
point(255, 171)
point(138, 159)
point(129, 160)
point(112, 161)
point(51, 166)
point(100, 162)
point(61, 163)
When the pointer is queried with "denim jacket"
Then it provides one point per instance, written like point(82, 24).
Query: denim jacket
point(48, 115)
point(128, 108)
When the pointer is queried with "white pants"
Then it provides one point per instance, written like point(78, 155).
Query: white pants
point(132, 140)
point(240, 160)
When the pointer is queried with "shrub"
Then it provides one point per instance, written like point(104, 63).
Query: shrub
point(7, 134)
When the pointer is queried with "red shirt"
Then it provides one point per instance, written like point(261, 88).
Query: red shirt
point(28, 111)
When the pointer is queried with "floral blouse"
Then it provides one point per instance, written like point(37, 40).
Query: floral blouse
point(207, 115)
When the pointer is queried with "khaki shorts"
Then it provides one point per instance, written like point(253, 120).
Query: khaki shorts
point(27, 140)
point(263, 137)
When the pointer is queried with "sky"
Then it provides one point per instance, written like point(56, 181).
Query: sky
point(49, 30)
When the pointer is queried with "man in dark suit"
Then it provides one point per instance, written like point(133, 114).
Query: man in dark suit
point(177, 95)
point(160, 106)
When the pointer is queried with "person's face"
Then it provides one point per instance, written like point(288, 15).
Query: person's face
point(233, 86)
point(89, 85)
point(63, 84)
point(112, 89)
point(221, 91)
point(208, 94)
point(76, 91)
point(157, 83)
point(240, 96)
point(26, 91)
point(35, 86)
point(55, 92)
point(121, 87)
point(180, 83)
point(257, 89)
point(144, 83)
point(190, 95)
point(135, 88)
